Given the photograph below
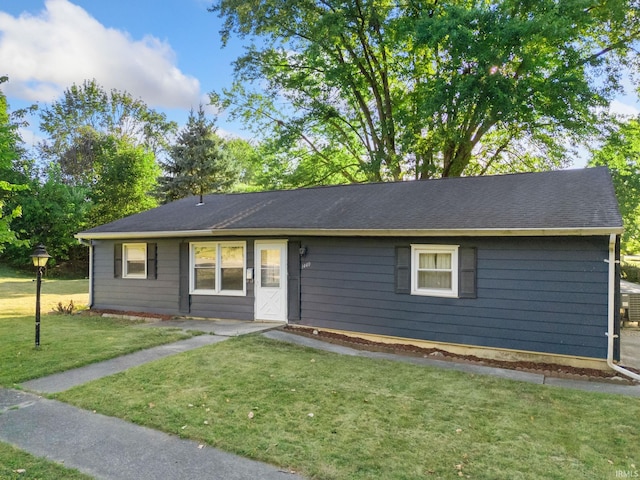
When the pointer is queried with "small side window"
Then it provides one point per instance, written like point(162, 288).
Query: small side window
point(434, 270)
point(134, 260)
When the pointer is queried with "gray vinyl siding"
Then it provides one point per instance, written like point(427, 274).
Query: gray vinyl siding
point(161, 295)
point(535, 294)
point(158, 295)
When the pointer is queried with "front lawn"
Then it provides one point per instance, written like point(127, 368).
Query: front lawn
point(334, 417)
point(66, 341)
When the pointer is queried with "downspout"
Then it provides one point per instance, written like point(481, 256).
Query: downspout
point(611, 336)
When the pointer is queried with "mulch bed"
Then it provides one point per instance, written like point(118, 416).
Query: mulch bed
point(130, 314)
point(546, 369)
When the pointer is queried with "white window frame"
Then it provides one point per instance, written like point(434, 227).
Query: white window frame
point(125, 260)
point(416, 250)
point(217, 290)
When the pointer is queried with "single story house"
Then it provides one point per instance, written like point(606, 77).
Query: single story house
point(521, 266)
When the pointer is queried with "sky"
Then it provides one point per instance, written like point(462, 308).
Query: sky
point(167, 53)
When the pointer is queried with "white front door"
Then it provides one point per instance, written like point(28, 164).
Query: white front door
point(271, 280)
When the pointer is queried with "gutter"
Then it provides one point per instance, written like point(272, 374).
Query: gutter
point(327, 232)
point(611, 335)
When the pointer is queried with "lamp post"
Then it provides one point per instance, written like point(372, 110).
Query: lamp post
point(39, 257)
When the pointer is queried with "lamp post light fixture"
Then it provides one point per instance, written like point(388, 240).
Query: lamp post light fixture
point(40, 258)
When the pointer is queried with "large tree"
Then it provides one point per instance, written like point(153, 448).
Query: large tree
point(199, 162)
point(52, 212)
point(85, 115)
point(100, 165)
point(621, 153)
point(387, 89)
point(10, 152)
point(126, 177)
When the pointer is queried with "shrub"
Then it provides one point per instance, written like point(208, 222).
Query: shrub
point(630, 272)
point(66, 310)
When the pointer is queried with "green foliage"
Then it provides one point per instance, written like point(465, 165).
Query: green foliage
point(126, 174)
point(630, 272)
point(101, 167)
point(53, 212)
point(379, 90)
point(10, 151)
point(199, 162)
point(621, 153)
point(249, 163)
point(78, 123)
point(265, 167)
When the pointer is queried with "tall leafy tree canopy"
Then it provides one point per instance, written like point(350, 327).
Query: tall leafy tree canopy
point(126, 176)
point(10, 151)
point(99, 165)
point(387, 89)
point(52, 212)
point(199, 162)
point(85, 116)
point(621, 153)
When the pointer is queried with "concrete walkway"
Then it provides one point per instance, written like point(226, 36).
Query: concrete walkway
point(110, 448)
point(219, 331)
point(592, 386)
point(59, 382)
point(113, 449)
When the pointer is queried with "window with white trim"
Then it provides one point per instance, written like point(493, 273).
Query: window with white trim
point(434, 270)
point(134, 260)
point(217, 268)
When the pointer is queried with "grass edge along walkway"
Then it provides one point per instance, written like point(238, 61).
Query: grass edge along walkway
point(329, 416)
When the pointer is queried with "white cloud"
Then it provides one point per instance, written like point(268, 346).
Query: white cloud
point(46, 53)
point(625, 109)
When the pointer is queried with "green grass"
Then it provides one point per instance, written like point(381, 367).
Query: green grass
point(370, 418)
point(18, 465)
point(324, 415)
point(18, 293)
point(66, 341)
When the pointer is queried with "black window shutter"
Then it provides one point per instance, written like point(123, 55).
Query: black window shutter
point(152, 263)
point(183, 287)
point(117, 260)
point(293, 281)
point(467, 261)
point(403, 270)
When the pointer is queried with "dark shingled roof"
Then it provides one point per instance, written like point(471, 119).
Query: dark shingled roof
point(574, 201)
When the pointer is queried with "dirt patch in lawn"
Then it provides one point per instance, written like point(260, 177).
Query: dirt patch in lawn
point(546, 369)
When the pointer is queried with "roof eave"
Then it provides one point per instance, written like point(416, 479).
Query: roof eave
point(275, 232)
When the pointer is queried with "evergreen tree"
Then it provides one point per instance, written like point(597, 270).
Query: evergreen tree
point(199, 162)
